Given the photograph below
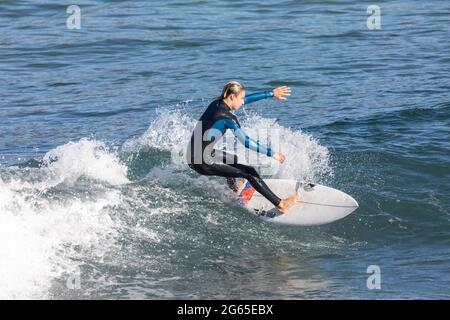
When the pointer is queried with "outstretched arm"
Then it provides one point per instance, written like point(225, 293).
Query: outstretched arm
point(257, 96)
point(220, 126)
point(279, 93)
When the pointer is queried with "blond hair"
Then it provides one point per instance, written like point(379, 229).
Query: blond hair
point(232, 87)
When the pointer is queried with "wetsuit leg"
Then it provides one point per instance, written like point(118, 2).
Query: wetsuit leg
point(237, 170)
point(258, 183)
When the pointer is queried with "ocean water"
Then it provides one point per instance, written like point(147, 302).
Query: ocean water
point(95, 202)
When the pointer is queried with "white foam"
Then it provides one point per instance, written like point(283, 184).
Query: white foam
point(306, 159)
point(42, 235)
point(170, 130)
point(88, 158)
point(38, 237)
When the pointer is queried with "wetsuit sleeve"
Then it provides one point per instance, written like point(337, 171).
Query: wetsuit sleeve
point(247, 141)
point(258, 96)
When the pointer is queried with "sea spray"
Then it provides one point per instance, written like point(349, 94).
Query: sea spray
point(49, 218)
point(306, 159)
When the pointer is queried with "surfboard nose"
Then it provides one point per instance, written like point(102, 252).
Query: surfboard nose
point(353, 202)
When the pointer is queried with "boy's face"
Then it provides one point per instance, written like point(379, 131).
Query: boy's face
point(238, 100)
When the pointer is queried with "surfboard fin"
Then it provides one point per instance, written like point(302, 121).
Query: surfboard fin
point(306, 186)
point(267, 214)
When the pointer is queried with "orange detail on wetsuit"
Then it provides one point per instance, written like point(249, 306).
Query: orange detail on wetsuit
point(247, 194)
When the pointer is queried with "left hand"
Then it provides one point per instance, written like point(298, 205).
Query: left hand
point(279, 157)
point(281, 92)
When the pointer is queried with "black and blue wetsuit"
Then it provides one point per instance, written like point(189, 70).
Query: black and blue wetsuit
point(212, 125)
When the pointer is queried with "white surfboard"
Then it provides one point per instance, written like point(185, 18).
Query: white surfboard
point(318, 204)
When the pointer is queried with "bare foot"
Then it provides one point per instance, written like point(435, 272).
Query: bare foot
point(285, 204)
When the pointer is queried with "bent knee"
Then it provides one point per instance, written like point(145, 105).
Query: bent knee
point(252, 171)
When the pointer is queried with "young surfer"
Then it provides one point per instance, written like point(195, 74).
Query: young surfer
point(212, 125)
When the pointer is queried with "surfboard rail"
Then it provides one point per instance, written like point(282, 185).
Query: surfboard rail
point(318, 204)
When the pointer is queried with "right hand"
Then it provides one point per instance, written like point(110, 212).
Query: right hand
point(279, 157)
point(281, 93)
